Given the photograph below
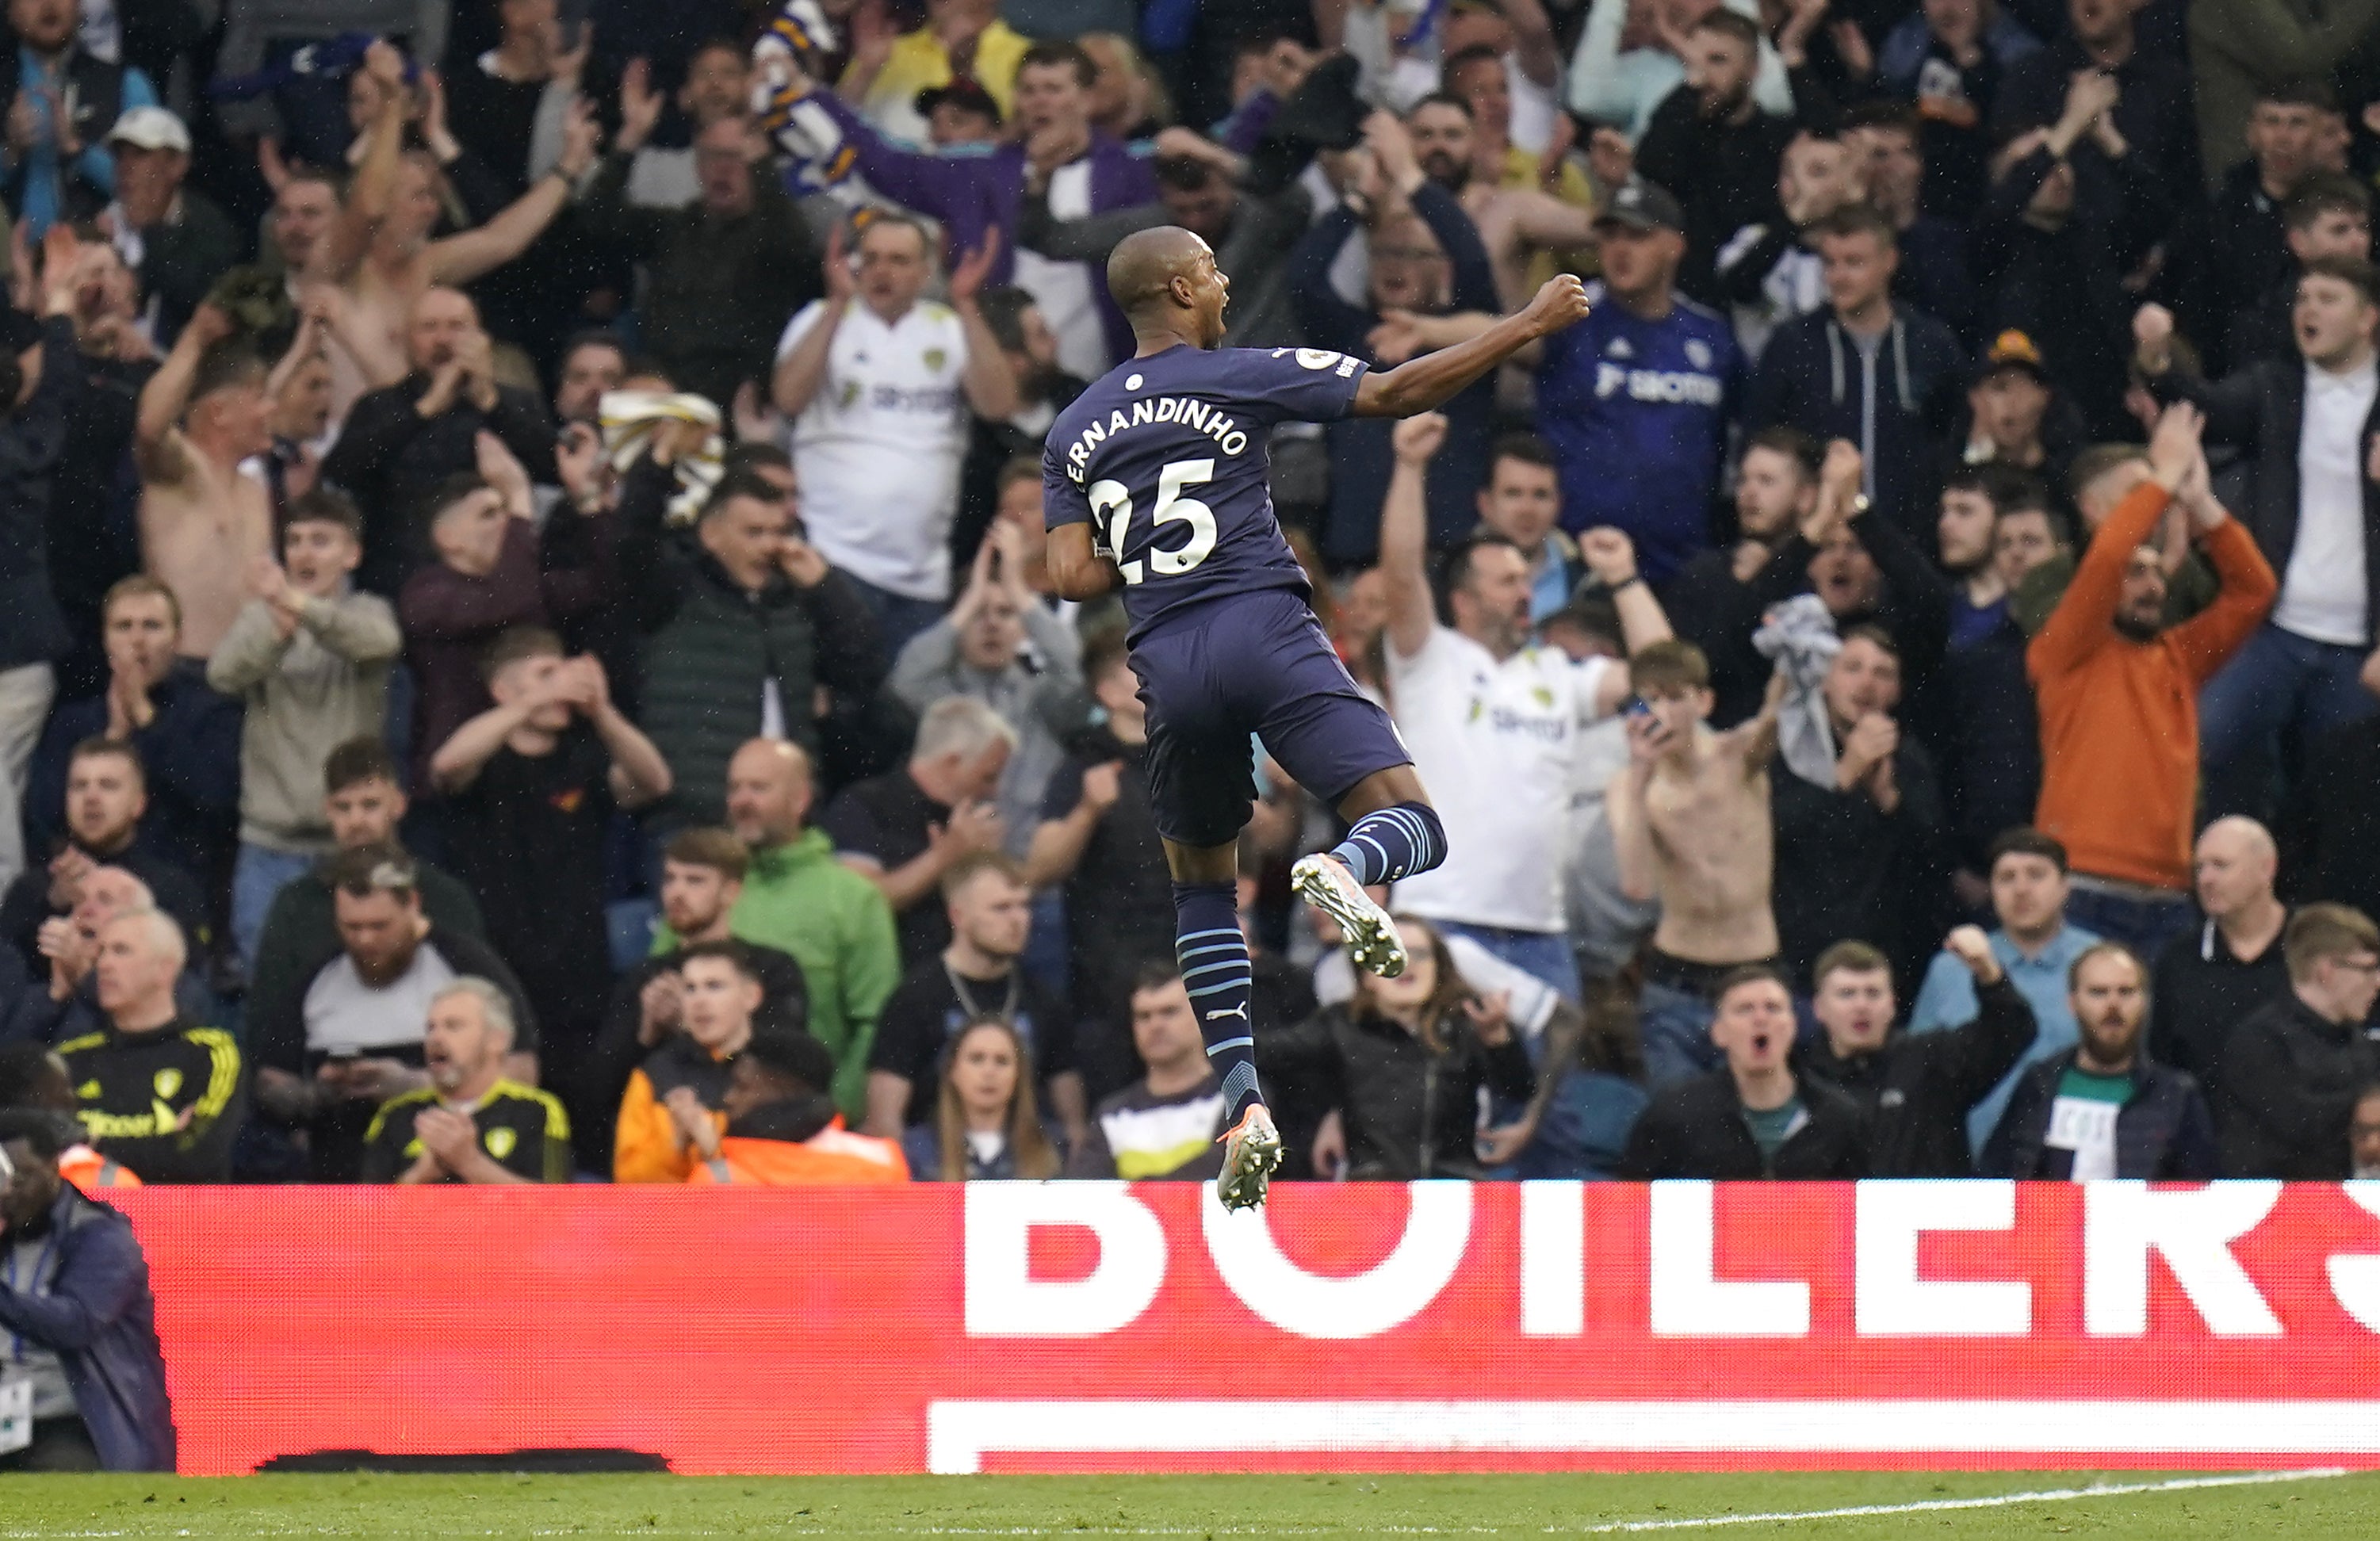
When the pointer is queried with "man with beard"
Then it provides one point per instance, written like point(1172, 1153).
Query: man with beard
point(2118, 695)
point(1517, 225)
point(1635, 399)
point(353, 1040)
point(1713, 601)
point(1711, 140)
point(471, 1124)
point(2104, 1109)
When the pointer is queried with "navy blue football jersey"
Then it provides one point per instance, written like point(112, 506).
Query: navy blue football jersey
point(1169, 459)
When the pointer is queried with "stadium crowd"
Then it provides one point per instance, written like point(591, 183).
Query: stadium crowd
point(525, 652)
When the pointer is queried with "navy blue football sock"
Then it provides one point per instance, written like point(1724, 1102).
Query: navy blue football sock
point(1214, 958)
point(1393, 843)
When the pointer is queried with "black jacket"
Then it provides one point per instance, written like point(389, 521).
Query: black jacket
point(1724, 174)
point(2285, 1085)
point(391, 460)
point(2163, 1133)
point(31, 439)
point(1811, 379)
point(2202, 992)
point(1845, 867)
point(277, 1041)
point(1918, 1088)
point(784, 1003)
point(1410, 1113)
point(1695, 1129)
point(2260, 411)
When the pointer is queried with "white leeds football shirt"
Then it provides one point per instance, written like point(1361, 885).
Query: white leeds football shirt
point(878, 450)
point(1494, 743)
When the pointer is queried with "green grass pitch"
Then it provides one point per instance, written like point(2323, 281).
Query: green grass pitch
point(1679, 1505)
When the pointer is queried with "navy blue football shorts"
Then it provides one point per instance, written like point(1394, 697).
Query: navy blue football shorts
point(1253, 663)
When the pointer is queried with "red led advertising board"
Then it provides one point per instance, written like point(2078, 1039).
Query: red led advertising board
point(1436, 1327)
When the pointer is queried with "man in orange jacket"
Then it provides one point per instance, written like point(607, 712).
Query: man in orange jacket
point(782, 1129)
point(2118, 695)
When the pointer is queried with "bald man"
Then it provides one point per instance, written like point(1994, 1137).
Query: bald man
point(2229, 963)
point(161, 1094)
point(800, 899)
point(402, 442)
point(1155, 481)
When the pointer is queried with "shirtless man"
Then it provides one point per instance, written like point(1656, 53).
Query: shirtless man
point(1517, 225)
point(1690, 824)
point(203, 522)
point(395, 205)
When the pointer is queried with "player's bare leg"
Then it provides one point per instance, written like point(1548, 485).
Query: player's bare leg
point(1395, 834)
point(1214, 957)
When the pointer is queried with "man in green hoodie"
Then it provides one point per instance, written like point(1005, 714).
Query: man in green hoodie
point(798, 898)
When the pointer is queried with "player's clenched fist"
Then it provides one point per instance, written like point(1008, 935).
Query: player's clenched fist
point(1559, 303)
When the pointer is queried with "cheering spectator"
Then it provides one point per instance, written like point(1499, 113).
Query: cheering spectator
point(309, 657)
point(1405, 1060)
point(1635, 399)
point(470, 1123)
point(2308, 421)
point(2327, 216)
point(1522, 503)
point(1000, 646)
point(1986, 732)
point(363, 802)
point(876, 377)
point(2209, 979)
point(173, 238)
point(1690, 822)
point(1494, 722)
point(681, 1084)
point(2150, 118)
point(2014, 420)
point(1098, 837)
point(1608, 84)
point(1712, 141)
point(2287, 1080)
point(1917, 1088)
point(83, 1330)
point(781, 1127)
point(982, 1124)
point(744, 624)
point(494, 571)
point(1054, 149)
point(532, 785)
point(2246, 58)
point(163, 1096)
point(1520, 222)
point(1933, 274)
point(106, 799)
point(2234, 249)
point(1715, 600)
point(904, 830)
point(183, 737)
point(2104, 1109)
point(720, 268)
point(1426, 271)
point(1865, 367)
point(1754, 1117)
point(2036, 950)
point(2117, 691)
point(976, 977)
point(1951, 57)
point(1169, 1123)
point(60, 105)
point(1863, 853)
point(716, 86)
point(702, 880)
point(403, 443)
point(2053, 264)
point(68, 1007)
point(349, 1036)
point(1767, 271)
point(798, 898)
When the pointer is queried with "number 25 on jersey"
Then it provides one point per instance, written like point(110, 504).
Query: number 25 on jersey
point(1111, 512)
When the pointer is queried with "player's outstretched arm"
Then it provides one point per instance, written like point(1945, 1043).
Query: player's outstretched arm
point(1076, 572)
point(1429, 381)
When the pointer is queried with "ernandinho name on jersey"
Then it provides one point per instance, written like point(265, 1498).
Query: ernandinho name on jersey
point(1193, 414)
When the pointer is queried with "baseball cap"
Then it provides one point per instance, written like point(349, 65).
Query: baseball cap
point(1643, 205)
point(2011, 349)
point(150, 129)
point(965, 94)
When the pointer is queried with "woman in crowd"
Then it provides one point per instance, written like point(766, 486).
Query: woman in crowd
point(1404, 1061)
point(984, 1124)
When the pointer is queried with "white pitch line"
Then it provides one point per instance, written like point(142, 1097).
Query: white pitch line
point(1996, 1500)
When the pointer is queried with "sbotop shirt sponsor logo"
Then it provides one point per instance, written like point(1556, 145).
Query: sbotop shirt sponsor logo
point(1431, 1327)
